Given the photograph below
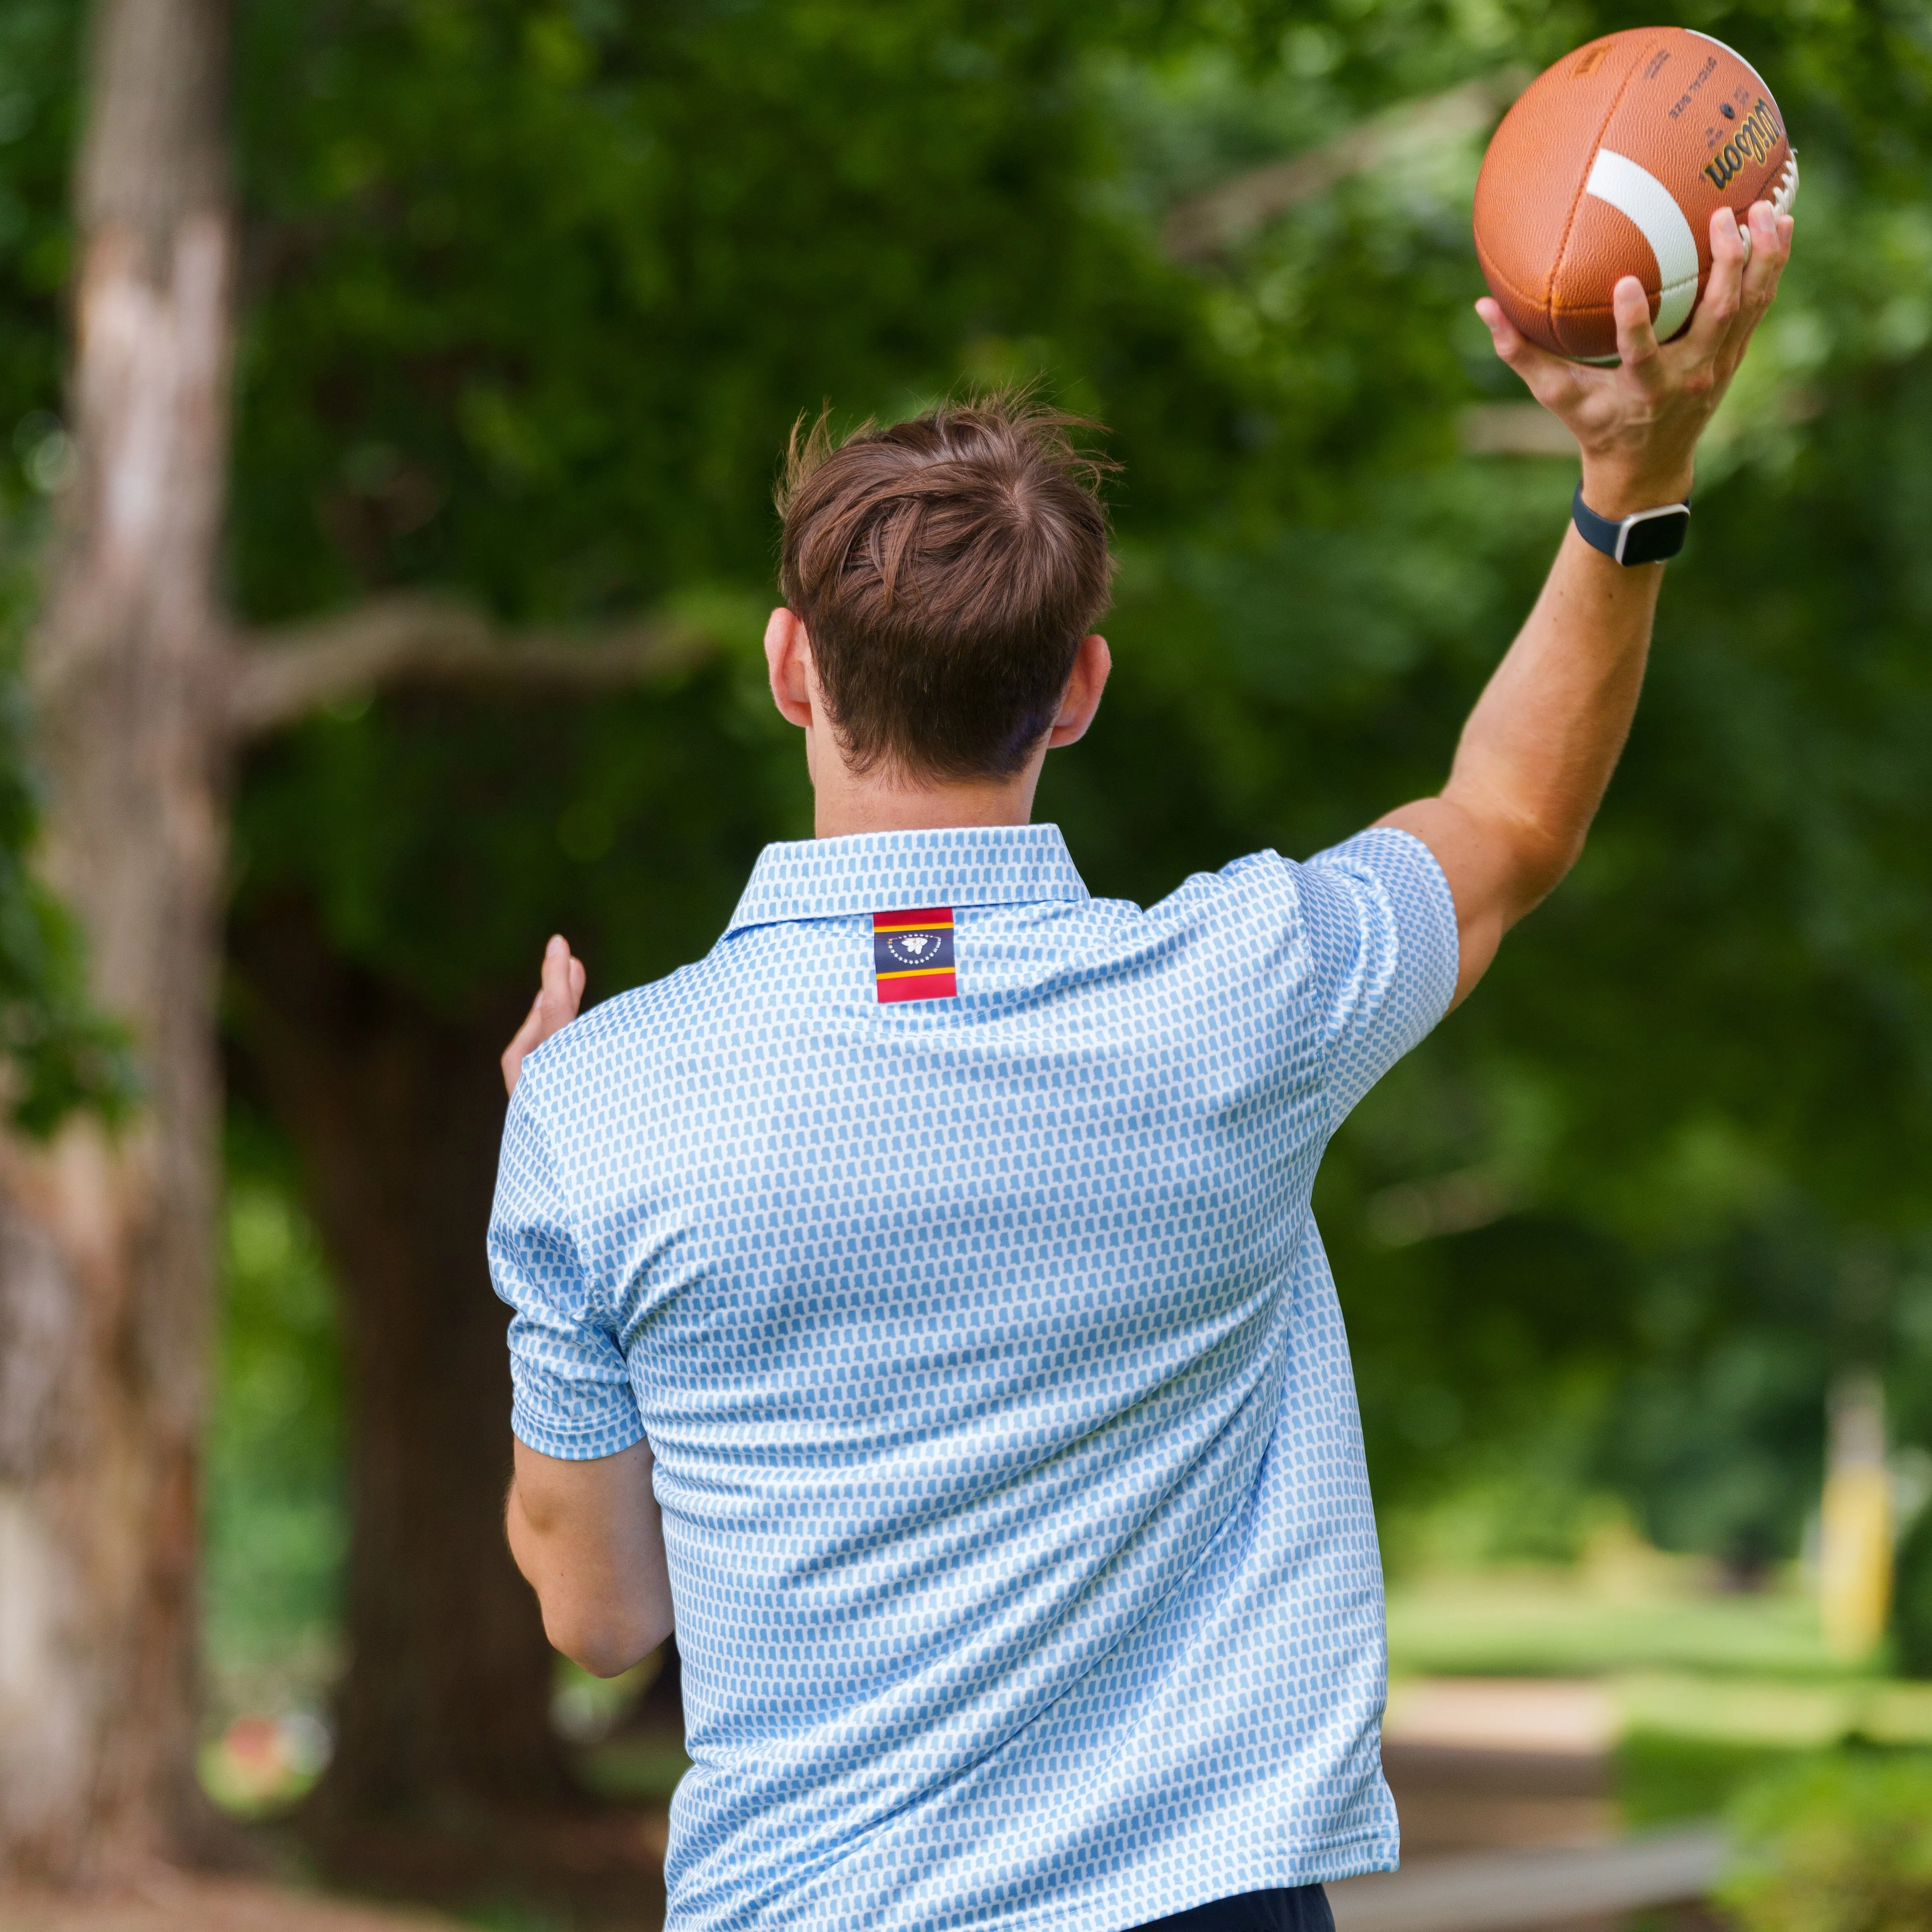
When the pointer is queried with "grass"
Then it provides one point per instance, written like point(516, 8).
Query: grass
point(1530, 1622)
point(1711, 1690)
point(1663, 1778)
point(1778, 1713)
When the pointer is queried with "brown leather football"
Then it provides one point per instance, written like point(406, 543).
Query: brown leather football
point(1611, 164)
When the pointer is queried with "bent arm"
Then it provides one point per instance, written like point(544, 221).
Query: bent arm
point(588, 1537)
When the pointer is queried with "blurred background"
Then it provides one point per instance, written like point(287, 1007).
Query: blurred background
point(1636, 1252)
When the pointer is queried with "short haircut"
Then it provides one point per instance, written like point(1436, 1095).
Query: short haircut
point(946, 569)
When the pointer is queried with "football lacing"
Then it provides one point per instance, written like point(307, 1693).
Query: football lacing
point(1786, 192)
point(1783, 193)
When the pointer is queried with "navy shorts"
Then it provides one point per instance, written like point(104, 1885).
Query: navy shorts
point(1303, 1909)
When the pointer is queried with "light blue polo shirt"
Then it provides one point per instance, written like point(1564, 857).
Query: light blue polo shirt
point(1024, 1567)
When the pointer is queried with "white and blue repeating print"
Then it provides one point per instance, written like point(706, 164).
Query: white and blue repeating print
point(1004, 1427)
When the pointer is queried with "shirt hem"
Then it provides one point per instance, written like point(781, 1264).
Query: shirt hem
point(1323, 1861)
point(1328, 1861)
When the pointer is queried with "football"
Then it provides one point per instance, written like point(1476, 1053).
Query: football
point(1612, 163)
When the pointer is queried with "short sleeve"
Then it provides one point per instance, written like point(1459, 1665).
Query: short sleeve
point(1380, 909)
point(572, 1391)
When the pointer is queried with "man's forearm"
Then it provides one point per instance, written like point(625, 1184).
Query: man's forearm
point(1536, 753)
point(1538, 750)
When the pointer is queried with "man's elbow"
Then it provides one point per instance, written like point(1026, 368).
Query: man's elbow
point(1538, 858)
point(605, 1640)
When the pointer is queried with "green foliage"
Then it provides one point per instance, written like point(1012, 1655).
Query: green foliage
point(513, 1915)
point(541, 290)
point(62, 1054)
point(1911, 1599)
point(1843, 1843)
point(630, 824)
point(1664, 1778)
point(536, 290)
point(58, 1053)
point(38, 47)
point(637, 1772)
point(543, 287)
point(1687, 1091)
point(276, 1505)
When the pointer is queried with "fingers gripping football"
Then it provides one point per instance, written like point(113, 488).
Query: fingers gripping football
point(1638, 421)
point(1640, 355)
point(1769, 238)
point(1723, 293)
point(1551, 379)
point(1747, 262)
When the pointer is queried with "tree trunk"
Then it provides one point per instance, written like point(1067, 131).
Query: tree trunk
point(442, 1719)
point(105, 1261)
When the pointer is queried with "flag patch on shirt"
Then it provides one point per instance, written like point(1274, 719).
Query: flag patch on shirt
point(912, 954)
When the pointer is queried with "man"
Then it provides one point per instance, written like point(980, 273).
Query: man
point(936, 1254)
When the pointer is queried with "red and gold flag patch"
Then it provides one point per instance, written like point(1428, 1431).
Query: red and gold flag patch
point(912, 954)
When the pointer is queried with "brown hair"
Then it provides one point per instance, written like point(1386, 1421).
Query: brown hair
point(946, 569)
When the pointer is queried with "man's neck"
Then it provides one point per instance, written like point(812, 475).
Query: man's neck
point(891, 801)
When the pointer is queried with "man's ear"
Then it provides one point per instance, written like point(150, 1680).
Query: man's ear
point(788, 653)
point(1081, 698)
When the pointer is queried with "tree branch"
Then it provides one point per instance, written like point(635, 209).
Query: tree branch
point(1211, 224)
point(284, 673)
point(1512, 429)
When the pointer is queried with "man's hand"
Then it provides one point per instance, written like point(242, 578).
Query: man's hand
point(558, 998)
point(1539, 747)
point(1638, 423)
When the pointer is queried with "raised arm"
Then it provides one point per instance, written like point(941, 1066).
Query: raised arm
point(1538, 749)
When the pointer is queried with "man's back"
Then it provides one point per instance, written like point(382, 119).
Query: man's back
point(1003, 1430)
point(1013, 1520)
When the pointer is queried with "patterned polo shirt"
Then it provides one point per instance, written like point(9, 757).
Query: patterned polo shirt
point(1004, 1432)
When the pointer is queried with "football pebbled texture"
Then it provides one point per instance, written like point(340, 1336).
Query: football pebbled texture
point(1612, 163)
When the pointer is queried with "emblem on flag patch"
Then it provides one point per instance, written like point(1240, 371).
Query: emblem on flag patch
point(912, 954)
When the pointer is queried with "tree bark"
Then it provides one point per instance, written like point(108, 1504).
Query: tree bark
point(105, 1238)
point(442, 1718)
point(1212, 224)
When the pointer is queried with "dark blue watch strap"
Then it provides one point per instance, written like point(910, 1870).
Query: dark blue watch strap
point(1647, 536)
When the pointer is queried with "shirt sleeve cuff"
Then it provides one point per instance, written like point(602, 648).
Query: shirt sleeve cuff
point(1423, 907)
point(572, 1423)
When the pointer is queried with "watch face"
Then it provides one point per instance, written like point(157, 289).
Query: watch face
point(1656, 537)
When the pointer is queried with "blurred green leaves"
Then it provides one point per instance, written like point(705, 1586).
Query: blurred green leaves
point(58, 1054)
point(276, 1503)
point(535, 292)
point(1841, 1843)
point(540, 292)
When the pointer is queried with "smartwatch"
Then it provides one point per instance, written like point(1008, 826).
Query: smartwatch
point(1647, 536)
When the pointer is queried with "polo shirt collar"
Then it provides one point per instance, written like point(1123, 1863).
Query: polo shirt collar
point(903, 872)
